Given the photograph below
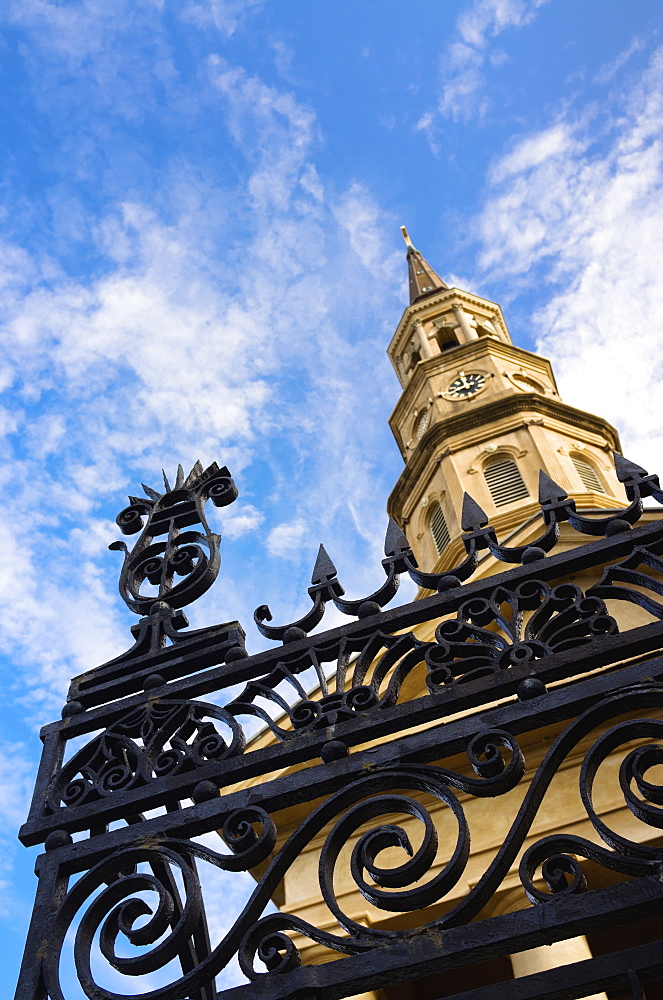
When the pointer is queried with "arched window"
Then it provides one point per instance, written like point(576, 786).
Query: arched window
point(504, 481)
point(588, 474)
point(439, 528)
point(448, 345)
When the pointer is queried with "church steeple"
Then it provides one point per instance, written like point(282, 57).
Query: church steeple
point(424, 280)
point(479, 415)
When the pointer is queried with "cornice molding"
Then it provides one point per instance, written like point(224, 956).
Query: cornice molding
point(485, 416)
point(462, 356)
point(424, 305)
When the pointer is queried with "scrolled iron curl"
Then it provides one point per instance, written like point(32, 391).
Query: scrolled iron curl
point(211, 746)
point(117, 907)
point(485, 755)
point(304, 714)
point(76, 790)
point(495, 777)
point(113, 777)
point(361, 697)
point(249, 847)
point(625, 856)
point(168, 761)
point(115, 910)
point(646, 805)
point(562, 871)
point(191, 561)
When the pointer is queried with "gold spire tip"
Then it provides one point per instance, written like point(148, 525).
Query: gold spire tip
point(408, 241)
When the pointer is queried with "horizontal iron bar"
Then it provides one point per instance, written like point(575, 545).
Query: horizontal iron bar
point(459, 696)
point(571, 982)
point(427, 952)
point(431, 744)
point(564, 564)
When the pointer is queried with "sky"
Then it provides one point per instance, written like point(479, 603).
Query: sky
point(200, 258)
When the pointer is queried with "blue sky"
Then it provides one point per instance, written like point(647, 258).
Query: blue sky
point(200, 258)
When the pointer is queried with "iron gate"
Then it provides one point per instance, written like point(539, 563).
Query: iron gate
point(511, 654)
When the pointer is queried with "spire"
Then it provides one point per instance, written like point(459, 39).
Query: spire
point(423, 279)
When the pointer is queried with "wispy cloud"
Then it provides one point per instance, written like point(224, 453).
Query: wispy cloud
point(575, 209)
point(171, 348)
point(608, 71)
point(226, 15)
point(463, 65)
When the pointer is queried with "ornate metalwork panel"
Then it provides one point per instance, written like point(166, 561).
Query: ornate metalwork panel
point(361, 744)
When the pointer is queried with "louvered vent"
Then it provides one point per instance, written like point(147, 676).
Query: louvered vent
point(439, 529)
point(587, 473)
point(505, 482)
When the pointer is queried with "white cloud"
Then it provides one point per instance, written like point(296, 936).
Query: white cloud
point(240, 520)
point(534, 150)
point(486, 18)
point(583, 219)
point(226, 15)
point(285, 539)
point(117, 52)
point(16, 781)
point(360, 217)
point(610, 70)
point(170, 352)
point(463, 93)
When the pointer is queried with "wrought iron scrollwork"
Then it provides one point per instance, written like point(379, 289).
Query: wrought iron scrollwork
point(157, 739)
point(324, 587)
point(556, 507)
point(164, 550)
point(366, 714)
point(488, 635)
point(563, 618)
point(118, 907)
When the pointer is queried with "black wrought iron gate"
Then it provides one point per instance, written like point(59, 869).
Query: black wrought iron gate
point(155, 768)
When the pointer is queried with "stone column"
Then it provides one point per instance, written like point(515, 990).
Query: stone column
point(469, 333)
point(425, 344)
point(552, 956)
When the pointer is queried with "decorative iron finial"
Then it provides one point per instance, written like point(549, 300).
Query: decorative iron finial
point(164, 550)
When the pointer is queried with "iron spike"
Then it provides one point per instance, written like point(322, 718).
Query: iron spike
point(626, 469)
point(195, 473)
point(179, 482)
point(473, 518)
point(550, 491)
point(395, 541)
point(324, 568)
point(152, 494)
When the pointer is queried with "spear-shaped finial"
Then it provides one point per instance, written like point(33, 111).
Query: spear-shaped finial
point(626, 469)
point(472, 518)
point(550, 492)
point(395, 542)
point(324, 569)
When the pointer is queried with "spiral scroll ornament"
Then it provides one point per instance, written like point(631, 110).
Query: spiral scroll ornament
point(164, 551)
point(106, 903)
point(366, 800)
point(558, 855)
point(157, 739)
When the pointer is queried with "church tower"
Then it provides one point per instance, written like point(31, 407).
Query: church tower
point(479, 415)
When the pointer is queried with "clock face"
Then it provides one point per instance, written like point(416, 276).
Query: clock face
point(466, 384)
